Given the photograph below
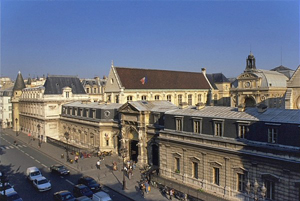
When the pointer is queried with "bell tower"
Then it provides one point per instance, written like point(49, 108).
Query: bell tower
point(250, 63)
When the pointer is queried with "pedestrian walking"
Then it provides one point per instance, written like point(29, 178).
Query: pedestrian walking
point(98, 164)
point(171, 193)
point(130, 173)
point(76, 159)
point(142, 187)
point(147, 186)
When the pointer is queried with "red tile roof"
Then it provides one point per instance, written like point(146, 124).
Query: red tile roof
point(161, 79)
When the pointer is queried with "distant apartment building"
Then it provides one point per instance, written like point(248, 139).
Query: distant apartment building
point(177, 87)
point(6, 108)
point(38, 109)
point(292, 97)
point(95, 88)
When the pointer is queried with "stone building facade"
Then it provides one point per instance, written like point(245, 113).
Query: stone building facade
point(6, 119)
point(235, 155)
point(90, 125)
point(95, 88)
point(38, 109)
point(256, 86)
point(140, 122)
point(134, 84)
point(292, 97)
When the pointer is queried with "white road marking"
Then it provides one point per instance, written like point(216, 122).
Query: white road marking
point(11, 147)
point(31, 157)
point(24, 145)
point(7, 148)
point(44, 166)
point(69, 182)
point(22, 151)
point(27, 154)
point(37, 161)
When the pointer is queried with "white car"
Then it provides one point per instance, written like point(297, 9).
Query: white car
point(7, 187)
point(33, 173)
point(42, 184)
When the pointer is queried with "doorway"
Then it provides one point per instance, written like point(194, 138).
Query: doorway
point(155, 154)
point(133, 150)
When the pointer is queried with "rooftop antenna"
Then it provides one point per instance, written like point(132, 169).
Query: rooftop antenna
point(281, 55)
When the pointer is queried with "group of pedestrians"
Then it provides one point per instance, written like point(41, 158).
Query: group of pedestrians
point(145, 187)
point(130, 166)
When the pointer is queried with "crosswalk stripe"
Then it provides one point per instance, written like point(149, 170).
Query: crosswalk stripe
point(11, 147)
point(7, 148)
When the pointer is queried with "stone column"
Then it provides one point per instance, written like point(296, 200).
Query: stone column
point(227, 177)
point(204, 180)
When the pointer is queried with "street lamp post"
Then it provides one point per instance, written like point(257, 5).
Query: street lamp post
point(124, 154)
point(67, 148)
point(39, 136)
point(16, 126)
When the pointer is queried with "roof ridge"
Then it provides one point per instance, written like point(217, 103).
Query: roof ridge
point(157, 70)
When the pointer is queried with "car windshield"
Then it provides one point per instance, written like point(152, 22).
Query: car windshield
point(35, 173)
point(61, 167)
point(85, 190)
point(13, 197)
point(92, 182)
point(7, 186)
point(44, 181)
point(67, 197)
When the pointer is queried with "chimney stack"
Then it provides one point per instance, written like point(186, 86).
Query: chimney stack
point(200, 105)
point(203, 71)
point(261, 108)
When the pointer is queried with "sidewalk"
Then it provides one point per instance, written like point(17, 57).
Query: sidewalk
point(87, 166)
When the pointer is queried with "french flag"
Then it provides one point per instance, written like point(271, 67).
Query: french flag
point(144, 80)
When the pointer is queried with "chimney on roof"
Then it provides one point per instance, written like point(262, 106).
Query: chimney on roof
point(261, 108)
point(200, 105)
point(241, 107)
point(203, 71)
point(183, 105)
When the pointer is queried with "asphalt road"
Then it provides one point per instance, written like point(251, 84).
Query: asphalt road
point(14, 160)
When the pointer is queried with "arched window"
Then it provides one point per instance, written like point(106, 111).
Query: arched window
point(129, 98)
point(156, 97)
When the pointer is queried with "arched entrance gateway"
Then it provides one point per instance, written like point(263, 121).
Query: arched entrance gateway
point(130, 141)
point(250, 102)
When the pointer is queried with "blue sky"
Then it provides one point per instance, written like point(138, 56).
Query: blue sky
point(82, 37)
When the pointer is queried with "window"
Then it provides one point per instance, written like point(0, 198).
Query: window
point(94, 114)
point(216, 175)
point(177, 165)
point(116, 99)
point(272, 135)
point(129, 98)
point(87, 90)
point(178, 124)
point(67, 94)
point(107, 142)
point(270, 186)
point(179, 99)
point(218, 128)
point(240, 182)
point(195, 170)
point(190, 99)
point(169, 98)
point(156, 97)
point(199, 98)
point(95, 90)
point(108, 97)
point(197, 126)
point(144, 97)
point(243, 129)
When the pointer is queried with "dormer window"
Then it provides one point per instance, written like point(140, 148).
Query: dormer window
point(197, 125)
point(179, 123)
point(218, 127)
point(272, 135)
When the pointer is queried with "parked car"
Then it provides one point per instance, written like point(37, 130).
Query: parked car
point(41, 184)
point(83, 198)
point(12, 196)
point(90, 182)
point(63, 196)
point(101, 196)
point(81, 190)
point(59, 169)
point(33, 173)
point(7, 188)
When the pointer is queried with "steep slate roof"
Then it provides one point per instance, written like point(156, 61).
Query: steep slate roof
point(55, 83)
point(153, 106)
point(19, 84)
point(216, 78)
point(273, 115)
point(161, 79)
point(94, 105)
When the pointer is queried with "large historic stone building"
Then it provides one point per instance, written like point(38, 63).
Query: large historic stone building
point(6, 120)
point(95, 88)
point(90, 125)
point(38, 109)
point(236, 155)
point(256, 86)
point(292, 98)
point(133, 84)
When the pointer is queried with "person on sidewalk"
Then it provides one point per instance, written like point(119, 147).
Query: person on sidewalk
point(171, 193)
point(147, 186)
point(76, 159)
point(130, 174)
point(98, 165)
